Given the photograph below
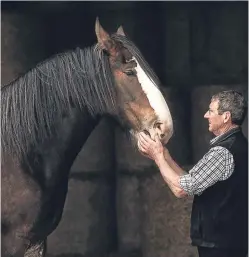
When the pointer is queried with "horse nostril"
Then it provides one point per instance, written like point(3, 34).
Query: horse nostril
point(147, 132)
point(158, 125)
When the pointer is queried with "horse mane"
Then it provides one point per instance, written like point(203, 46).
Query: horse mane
point(33, 102)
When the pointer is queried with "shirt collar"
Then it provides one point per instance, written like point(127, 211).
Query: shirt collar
point(225, 135)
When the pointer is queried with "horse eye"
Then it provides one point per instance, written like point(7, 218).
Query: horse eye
point(130, 72)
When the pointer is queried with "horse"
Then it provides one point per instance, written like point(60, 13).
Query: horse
point(48, 114)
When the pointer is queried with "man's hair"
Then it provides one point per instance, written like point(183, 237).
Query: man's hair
point(233, 102)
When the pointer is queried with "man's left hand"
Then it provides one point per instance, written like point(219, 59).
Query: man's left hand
point(152, 149)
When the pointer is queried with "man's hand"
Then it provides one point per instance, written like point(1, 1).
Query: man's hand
point(170, 171)
point(150, 148)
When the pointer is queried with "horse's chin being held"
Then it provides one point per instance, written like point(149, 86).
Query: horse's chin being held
point(135, 134)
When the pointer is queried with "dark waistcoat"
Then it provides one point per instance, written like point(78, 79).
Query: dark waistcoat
point(220, 214)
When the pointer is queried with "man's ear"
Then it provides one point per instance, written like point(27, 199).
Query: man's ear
point(227, 116)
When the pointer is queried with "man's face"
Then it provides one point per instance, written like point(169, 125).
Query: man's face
point(215, 121)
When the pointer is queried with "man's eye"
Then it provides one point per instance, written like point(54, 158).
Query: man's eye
point(130, 72)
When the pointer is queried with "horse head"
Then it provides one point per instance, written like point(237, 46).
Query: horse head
point(141, 103)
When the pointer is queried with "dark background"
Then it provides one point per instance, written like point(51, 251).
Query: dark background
point(187, 43)
point(118, 204)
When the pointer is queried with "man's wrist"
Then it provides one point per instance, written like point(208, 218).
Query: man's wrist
point(166, 154)
point(159, 159)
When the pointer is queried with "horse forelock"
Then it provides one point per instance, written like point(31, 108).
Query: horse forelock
point(132, 48)
point(31, 104)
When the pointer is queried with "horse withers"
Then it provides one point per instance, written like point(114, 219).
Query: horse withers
point(47, 115)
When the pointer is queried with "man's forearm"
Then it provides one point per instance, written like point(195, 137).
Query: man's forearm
point(171, 177)
point(173, 164)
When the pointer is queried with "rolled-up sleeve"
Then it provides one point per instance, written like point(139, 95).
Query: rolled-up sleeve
point(216, 165)
point(186, 184)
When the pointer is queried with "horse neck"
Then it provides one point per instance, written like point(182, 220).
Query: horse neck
point(35, 102)
point(53, 158)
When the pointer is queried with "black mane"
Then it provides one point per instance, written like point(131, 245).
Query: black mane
point(32, 103)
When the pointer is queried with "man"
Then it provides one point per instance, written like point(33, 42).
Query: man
point(219, 181)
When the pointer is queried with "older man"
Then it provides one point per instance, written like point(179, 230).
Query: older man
point(219, 181)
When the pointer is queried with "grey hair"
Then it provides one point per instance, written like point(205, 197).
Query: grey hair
point(233, 102)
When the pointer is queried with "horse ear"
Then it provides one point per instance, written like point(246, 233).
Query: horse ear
point(120, 31)
point(101, 34)
point(103, 37)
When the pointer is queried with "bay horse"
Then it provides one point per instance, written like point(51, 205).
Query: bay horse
point(48, 114)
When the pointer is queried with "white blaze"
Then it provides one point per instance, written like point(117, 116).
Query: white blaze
point(154, 96)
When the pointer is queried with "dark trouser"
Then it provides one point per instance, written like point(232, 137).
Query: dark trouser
point(216, 252)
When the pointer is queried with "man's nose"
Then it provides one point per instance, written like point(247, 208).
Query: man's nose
point(206, 115)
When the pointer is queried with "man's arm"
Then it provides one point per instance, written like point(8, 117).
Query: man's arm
point(172, 163)
point(171, 173)
point(216, 165)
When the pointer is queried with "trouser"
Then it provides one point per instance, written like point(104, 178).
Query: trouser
point(217, 252)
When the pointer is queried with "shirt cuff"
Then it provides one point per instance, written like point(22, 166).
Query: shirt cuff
point(185, 182)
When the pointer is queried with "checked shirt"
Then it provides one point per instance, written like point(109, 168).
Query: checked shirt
point(216, 165)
